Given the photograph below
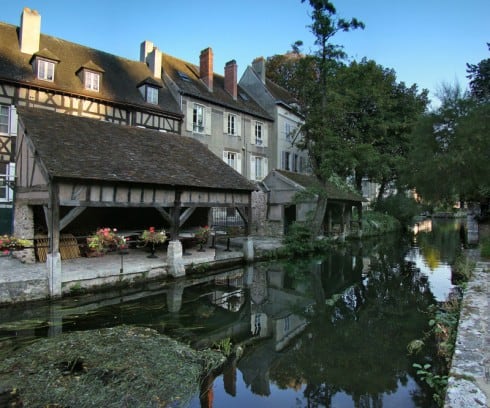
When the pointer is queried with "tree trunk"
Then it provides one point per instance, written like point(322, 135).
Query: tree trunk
point(381, 191)
point(317, 222)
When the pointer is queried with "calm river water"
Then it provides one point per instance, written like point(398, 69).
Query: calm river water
point(326, 331)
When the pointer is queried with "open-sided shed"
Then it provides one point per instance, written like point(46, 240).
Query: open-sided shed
point(68, 165)
point(284, 207)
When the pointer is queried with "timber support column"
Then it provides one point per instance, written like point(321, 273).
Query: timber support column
point(53, 260)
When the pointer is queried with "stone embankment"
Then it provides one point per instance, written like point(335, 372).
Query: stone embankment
point(469, 378)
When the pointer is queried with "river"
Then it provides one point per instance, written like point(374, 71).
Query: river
point(324, 331)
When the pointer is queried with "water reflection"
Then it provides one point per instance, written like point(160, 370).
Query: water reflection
point(330, 331)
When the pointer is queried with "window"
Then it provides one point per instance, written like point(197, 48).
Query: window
point(7, 173)
point(258, 167)
point(4, 119)
point(286, 158)
point(233, 159)
point(92, 80)
point(295, 165)
point(231, 124)
point(288, 131)
point(258, 133)
point(198, 118)
point(45, 70)
point(152, 95)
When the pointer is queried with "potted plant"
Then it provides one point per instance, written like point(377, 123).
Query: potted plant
point(202, 236)
point(153, 237)
point(10, 243)
point(104, 240)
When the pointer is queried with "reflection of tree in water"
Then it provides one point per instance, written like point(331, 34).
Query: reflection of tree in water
point(358, 346)
point(445, 239)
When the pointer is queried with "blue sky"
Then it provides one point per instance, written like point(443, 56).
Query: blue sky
point(426, 42)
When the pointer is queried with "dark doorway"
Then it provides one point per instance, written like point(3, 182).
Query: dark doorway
point(289, 217)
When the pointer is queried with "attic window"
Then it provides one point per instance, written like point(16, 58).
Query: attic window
point(91, 80)
point(244, 96)
point(151, 95)
point(45, 69)
point(183, 76)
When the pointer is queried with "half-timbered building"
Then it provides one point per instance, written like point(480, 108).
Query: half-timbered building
point(42, 71)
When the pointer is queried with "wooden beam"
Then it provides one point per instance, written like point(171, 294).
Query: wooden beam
point(72, 214)
point(166, 216)
point(186, 214)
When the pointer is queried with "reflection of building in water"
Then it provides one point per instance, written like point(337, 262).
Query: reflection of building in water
point(230, 298)
point(422, 226)
point(272, 308)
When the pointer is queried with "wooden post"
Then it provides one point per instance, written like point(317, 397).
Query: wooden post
point(53, 261)
point(176, 216)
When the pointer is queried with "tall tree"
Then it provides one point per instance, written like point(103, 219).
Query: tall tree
point(318, 137)
point(479, 76)
point(373, 115)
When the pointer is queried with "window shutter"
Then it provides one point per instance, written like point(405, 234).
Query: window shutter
point(207, 121)
point(253, 174)
point(265, 167)
point(239, 162)
point(225, 122)
point(225, 156)
point(265, 134)
point(189, 126)
point(252, 132)
point(13, 120)
point(238, 125)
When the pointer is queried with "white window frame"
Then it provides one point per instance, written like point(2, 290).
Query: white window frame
point(233, 159)
point(8, 176)
point(232, 124)
point(152, 95)
point(4, 119)
point(45, 69)
point(258, 167)
point(259, 140)
point(198, 116)
point(91, 80)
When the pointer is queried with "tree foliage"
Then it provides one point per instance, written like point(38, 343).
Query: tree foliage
point(479, 76)
point(450, 150)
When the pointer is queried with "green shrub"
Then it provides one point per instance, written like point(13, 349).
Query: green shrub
point(376, 223)
point(485, 247)
point(399, 206)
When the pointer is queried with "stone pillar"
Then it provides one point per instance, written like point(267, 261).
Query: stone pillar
point(248, 249)
point(24, 228)
point(174, 258)
point(53, 264)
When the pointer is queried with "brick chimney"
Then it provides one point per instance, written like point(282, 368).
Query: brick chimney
point(258, 66)
point(30, 31)
point(231, 69)
point(206, 67)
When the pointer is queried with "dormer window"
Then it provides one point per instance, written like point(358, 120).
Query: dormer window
point(92, 80)
point(152, 95)
point(45, 70)
point(44, 63)
point(91, 75)
point(149, 90)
